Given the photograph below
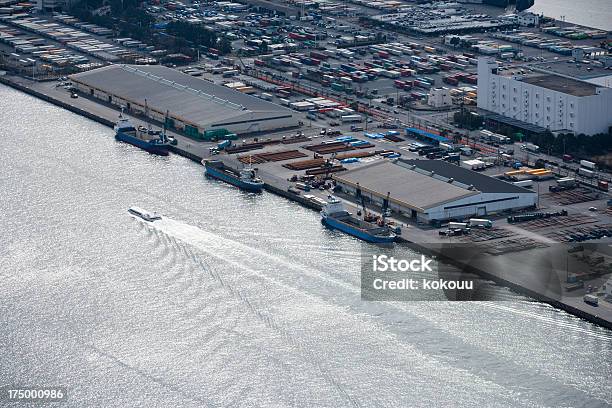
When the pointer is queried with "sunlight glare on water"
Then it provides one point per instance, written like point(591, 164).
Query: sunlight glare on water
point(235, 299)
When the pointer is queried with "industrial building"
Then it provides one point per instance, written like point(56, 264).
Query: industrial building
point(186, 103)
point(434, 190)
point(559, 103)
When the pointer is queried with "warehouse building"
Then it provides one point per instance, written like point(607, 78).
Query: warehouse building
point(189, 104)
point(434, 190)
point(559, 103)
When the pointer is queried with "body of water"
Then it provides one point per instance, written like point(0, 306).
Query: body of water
point(235, 300)
point(590, 13)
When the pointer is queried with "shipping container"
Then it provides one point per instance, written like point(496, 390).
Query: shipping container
point(458, 225)
point(229, 73)
point(567, 182)
point(451, 81)
point(350, 118)
point(480, 223)
point(530, 147)
point(337, 86)
point(587, 164)
point(602, 185)
point(524, 183)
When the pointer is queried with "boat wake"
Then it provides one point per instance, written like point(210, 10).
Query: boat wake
point(224, 250)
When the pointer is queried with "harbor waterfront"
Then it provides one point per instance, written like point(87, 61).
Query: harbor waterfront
point(511, 270)
point(236, 298)
point(591, 13)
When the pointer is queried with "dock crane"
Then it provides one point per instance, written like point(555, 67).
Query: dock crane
point(244, 69)
point(385, 212)
point(329, 163)
point(361, 200)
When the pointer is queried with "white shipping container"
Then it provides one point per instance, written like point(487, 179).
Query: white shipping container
point(566, 182)
point(460, 225)
point(524, 183)
point(587, 164)
point(350, 118)
point(480, 222)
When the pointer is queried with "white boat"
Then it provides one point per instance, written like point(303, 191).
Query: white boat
point(145, 215)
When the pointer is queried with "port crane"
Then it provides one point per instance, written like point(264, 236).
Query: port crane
point(361, 200)
point(329, 163)
point(385, 212)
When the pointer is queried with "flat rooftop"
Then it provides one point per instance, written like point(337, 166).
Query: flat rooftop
point(578, 70)
point(187, 98)
point(408, 188)
point(481, 182)
point(561, 84)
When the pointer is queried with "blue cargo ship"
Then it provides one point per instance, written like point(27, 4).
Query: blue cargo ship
point(152, 141)
point(334, 215)
point(245, 179)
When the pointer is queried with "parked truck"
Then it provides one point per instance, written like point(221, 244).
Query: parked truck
point(224, 144)
point(567, 182)
point(480, 223)
point(563, 184)
point(493, 137)
point(457, 225)
point(466, 151)
point(530, 147)
point(592, 300)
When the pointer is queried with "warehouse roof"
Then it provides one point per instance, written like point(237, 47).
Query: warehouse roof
point(407, 187)
point(481, 182)
point(187, 98)
point(562, 84)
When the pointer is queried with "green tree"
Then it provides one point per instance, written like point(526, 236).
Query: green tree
point(225, 46)
point(193, 33)
point(263, 47)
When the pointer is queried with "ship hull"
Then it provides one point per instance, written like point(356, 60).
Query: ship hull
point(162, 150)
point(362, 234)
point(219, 174)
